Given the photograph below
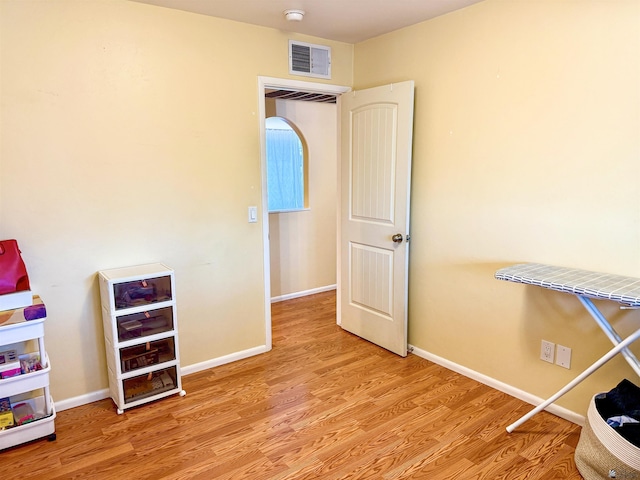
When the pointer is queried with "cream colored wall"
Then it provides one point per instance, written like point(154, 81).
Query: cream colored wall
point(303, 244)
point(526, 149)
point(130, 135)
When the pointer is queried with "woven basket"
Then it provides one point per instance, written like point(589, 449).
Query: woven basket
point(602, 453)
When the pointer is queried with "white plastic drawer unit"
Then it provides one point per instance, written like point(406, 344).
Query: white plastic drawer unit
point(147, 354)
point(140, 334)
point(150, 385)
point(136, 287)
point(142, 292)
point(144, 324)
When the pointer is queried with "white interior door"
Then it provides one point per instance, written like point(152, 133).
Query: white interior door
point(376, 136)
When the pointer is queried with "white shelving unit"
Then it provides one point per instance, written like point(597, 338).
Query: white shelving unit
point(18, 328)
point(140, 334)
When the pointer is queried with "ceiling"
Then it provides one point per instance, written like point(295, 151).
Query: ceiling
point(349, 21)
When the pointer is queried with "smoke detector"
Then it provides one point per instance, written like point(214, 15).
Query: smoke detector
point(294, 15)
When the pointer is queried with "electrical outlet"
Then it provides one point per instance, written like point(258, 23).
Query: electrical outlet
point(547, 351)
point(563, 356)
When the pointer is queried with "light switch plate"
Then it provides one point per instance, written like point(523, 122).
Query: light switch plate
point(253, 214)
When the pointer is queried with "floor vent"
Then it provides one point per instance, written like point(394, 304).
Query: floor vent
point(309, 60)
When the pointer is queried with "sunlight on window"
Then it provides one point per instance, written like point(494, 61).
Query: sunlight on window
point(285, 166)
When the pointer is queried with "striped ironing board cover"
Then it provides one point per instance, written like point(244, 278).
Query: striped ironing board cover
point(625, 290)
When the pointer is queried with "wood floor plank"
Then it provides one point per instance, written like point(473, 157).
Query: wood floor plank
point(322, 404)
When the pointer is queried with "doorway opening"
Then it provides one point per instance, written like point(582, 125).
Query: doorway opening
point(302, 92)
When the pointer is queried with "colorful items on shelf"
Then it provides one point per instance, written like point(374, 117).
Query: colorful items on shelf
point(6, 414)
point(27, 411)
point(10, 370)
point(9, 364)
point(24, 412)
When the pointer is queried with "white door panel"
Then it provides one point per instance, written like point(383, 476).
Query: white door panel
point(371, 271)
point(377, 128)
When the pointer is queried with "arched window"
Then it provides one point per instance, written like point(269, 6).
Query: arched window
point(286, 175)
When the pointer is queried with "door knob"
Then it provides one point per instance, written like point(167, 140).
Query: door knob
point(397, 238)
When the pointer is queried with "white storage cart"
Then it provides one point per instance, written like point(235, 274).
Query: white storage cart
point(140, 334)
point(19, 328)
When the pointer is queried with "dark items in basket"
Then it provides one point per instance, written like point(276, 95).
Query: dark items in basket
point(622, 401)
point(132, 293)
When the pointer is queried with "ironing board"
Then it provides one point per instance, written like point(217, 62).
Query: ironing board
point(585, 285)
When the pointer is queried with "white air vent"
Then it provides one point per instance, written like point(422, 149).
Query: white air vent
point(309, 60)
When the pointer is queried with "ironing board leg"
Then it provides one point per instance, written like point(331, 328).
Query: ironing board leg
point(608, 356)
point(610, 332)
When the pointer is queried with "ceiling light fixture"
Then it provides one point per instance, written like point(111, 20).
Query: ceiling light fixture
point(294, 15)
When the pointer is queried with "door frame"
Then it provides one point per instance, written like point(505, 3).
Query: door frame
point(299, 85)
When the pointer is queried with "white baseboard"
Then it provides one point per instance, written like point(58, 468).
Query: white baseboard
point(196, 367)
point(498, 385)
point(68, 403)
point(304, 293)
point(216, 362)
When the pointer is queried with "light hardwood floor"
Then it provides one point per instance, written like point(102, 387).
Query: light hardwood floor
point(323, 404)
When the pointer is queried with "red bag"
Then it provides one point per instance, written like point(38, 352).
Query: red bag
point(13, 273)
